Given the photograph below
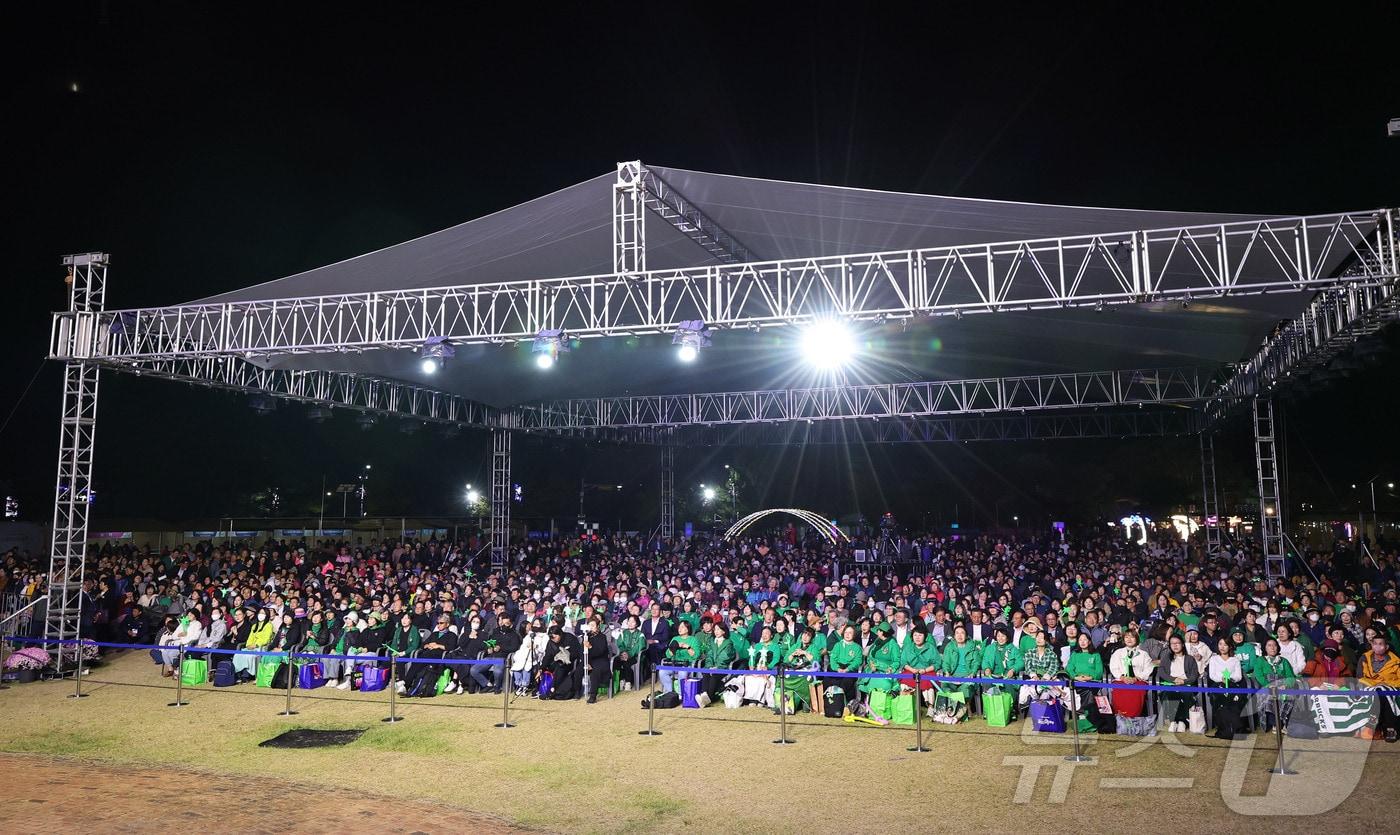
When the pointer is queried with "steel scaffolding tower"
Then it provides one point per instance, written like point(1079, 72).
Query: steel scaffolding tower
point(668, 489)
point(1270, 508)
point(1210, 499)
point(87, 287)
point(629, 220)
point(500, 496)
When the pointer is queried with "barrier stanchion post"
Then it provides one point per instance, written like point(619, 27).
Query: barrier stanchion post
point(179, 681)
point(1078, 755)
point(291, 674)
point(3, 645)
point(918, 716)
point(505, 697)
point(782, 710)
point(651, 708)
point(78, 673)
point(393, 691)
point(1280, 767)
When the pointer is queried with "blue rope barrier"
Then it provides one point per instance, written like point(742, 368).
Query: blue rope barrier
point(1084, 685)
point(364, 658)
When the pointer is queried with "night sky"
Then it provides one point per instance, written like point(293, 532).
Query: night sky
point(213, 148)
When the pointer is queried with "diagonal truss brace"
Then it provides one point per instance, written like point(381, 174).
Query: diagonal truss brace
point(671, 206)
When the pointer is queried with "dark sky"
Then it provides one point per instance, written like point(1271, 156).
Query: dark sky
point(212, 148)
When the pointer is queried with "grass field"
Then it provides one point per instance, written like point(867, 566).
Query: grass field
point(573, 767)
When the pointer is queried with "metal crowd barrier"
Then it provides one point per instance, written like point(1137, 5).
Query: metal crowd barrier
point(1271, 695)
point(287, 657)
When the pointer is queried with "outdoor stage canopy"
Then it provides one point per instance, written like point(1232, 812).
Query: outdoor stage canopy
point(978, 320)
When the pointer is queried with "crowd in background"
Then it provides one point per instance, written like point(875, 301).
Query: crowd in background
point(601, 615)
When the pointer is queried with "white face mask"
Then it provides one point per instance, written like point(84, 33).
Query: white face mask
point(1313, 617)
point(1351, 607)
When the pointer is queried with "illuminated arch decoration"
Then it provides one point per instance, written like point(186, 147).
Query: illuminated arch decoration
point(829, 531)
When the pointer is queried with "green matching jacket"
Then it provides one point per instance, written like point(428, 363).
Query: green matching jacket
point(764, 655)
point(962, 661)
point(631, 642)
point(720, 655)
point(920, 658)
point(1085, 664)
point(846, 657)
point(1003, 661)
point(684, 650)
point(1277, 669)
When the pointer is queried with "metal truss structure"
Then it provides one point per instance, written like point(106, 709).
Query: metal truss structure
point(500, 497)
point(672, 207)
point(1210, 498)
point(1161, 422)
point(1041, 392)
point(1132, 267)
point(1330, 325)
point(668, 490)
point(1270, 508)
point(87, 288)
point(332, 389)
point(1351, 258)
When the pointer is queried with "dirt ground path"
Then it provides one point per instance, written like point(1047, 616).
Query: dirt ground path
point(47, 795)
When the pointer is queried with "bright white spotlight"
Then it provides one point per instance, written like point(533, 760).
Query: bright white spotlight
point(473, 497)
point(708, 494)
point(434, 354)
point(691, 336)
point(548, 345)
point(828, 344)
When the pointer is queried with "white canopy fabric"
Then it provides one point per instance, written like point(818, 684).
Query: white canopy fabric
point(569, 233)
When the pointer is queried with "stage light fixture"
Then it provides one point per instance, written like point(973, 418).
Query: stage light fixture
point(691, 336)
point(434, 354)
point(547, 347)
point(828, 344)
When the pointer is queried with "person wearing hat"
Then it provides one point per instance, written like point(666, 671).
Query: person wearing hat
point(1029, 628)
point(1245, 650)
point(883, 657)
point(1197, 648)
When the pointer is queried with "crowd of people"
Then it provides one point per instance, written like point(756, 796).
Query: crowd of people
point(573, 618)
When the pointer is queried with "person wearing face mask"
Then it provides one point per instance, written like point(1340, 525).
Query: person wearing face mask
point(245, 666)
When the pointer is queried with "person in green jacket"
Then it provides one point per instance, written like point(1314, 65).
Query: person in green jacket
point(630, 644)
point(783, 636)
point(961, 659)
point(845, 656)
point(1086, 664)
point(883, 658)
point(738, 637)
point(683, 651)
point(1273, 670)
point(1001, 659)
point(765, 654)
point(719, 655)
point(690, 616)
point(802, 657)
point(405, 640)
point(919, 655)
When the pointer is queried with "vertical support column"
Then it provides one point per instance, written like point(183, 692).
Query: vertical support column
point(629, 221)
point(1210, 499)
point(500, 497)
point(668, 488)
point(1270, 508)
point(87, 280)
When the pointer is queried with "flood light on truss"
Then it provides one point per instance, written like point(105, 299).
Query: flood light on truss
point(547, 347)
point(690, 337)
point(828, 344)
point(434, 353)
